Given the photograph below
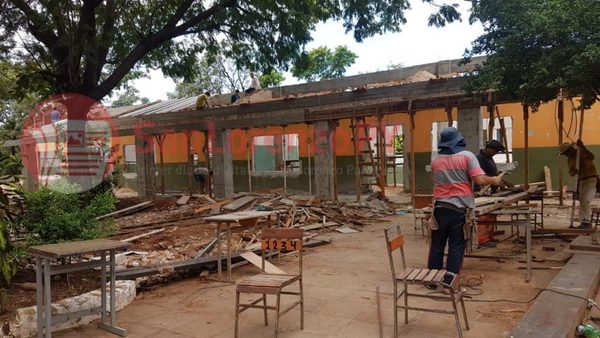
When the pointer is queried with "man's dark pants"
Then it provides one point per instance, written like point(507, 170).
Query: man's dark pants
point(450, 229)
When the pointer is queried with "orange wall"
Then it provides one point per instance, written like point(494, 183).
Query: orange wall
point(542, 132)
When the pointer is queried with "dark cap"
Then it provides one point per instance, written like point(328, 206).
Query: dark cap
point(496, 145)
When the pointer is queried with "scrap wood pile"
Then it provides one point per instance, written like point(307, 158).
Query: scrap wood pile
point(175, 231)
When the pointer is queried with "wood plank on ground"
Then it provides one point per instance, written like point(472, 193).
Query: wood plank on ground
point(584, 243)
point(183, 200)
point(319, 225)
point(579, 277)
point(256, 260)
point(238, 203)
point(126, 211)
point(212, 206)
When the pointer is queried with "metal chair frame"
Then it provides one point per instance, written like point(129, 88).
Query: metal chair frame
point(273, 241)
point(413, 276)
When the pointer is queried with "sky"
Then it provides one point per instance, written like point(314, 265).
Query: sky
point(416, 44)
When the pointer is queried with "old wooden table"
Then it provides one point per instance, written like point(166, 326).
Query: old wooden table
point(44, 270)
point(244, 218)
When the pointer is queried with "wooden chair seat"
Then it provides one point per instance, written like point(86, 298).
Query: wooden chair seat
point(266, 283)
point(411, 276)
point(273, 241)
point(416, 275)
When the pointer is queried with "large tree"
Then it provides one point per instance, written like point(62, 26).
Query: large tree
point(322, 63)
point(535, 48)
point(90, 46)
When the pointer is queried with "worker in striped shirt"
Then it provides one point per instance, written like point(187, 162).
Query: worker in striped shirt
point(454, 171)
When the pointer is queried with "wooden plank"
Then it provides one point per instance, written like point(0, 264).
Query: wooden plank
point(584, 243)
point(548, 178)
point(126, 211)
point(211, 206)
point(238, 203)
point(422, 274)
point(183, 200)
point(319, 225)
point(562, 231)
point(430, 275)
point(345, 230)
point(413, 274)
point(256, 260)
point(505, 201)
point(67, 249)
point(439, 276)
point(562, 256)
point(146, 234)
point(405, 273)
point(240, 215)
point(579, 278)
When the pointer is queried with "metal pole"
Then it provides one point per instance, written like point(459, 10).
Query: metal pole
point(248, 156)
point(39, 295)
point(561, 121)
point(47, 299)
point(309, 165)
point(577, 165)
point(355, 137)
point(284, 159)
point(526, 139)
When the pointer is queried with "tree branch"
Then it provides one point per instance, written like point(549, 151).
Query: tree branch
point(150, 43)
point(37, 24)
point(108, 29)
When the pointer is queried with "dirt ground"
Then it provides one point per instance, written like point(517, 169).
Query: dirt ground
point(340, 283)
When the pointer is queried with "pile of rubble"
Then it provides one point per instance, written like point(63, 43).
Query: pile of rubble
point(177, 231)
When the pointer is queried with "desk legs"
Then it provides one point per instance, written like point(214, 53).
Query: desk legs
point(229, 252)
point(39, 296)
point(219, 251)
point(48, 298)
point(219, 267)
point(103, 287)
point(528, 245)
point(112, 328)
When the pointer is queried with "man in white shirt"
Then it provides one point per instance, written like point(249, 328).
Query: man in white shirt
point(254, 84)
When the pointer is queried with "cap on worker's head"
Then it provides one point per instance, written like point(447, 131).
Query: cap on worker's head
point(497, 146)
point(564, 147)
point(450, 138)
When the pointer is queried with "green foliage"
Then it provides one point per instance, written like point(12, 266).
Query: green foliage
point(90, 47)
point(214, 73)
point(10, 210)
point(535, 48)
point(51, 216)
point(129, 97)
point(9, 255)
point(271, 79)
point(323, 64)
point(398, 143)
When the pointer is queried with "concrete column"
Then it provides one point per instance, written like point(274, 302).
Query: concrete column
point(222, 165)
point(471, 127)
point(145, 166)
point(325, 160)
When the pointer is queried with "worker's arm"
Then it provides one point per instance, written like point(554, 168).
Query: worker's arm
point(482, 180)
point(585, 153)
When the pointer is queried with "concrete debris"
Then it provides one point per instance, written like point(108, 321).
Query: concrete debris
point(25, 322)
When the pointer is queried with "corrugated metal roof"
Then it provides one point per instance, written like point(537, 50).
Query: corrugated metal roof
point(118, 111)
point(169, 106)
